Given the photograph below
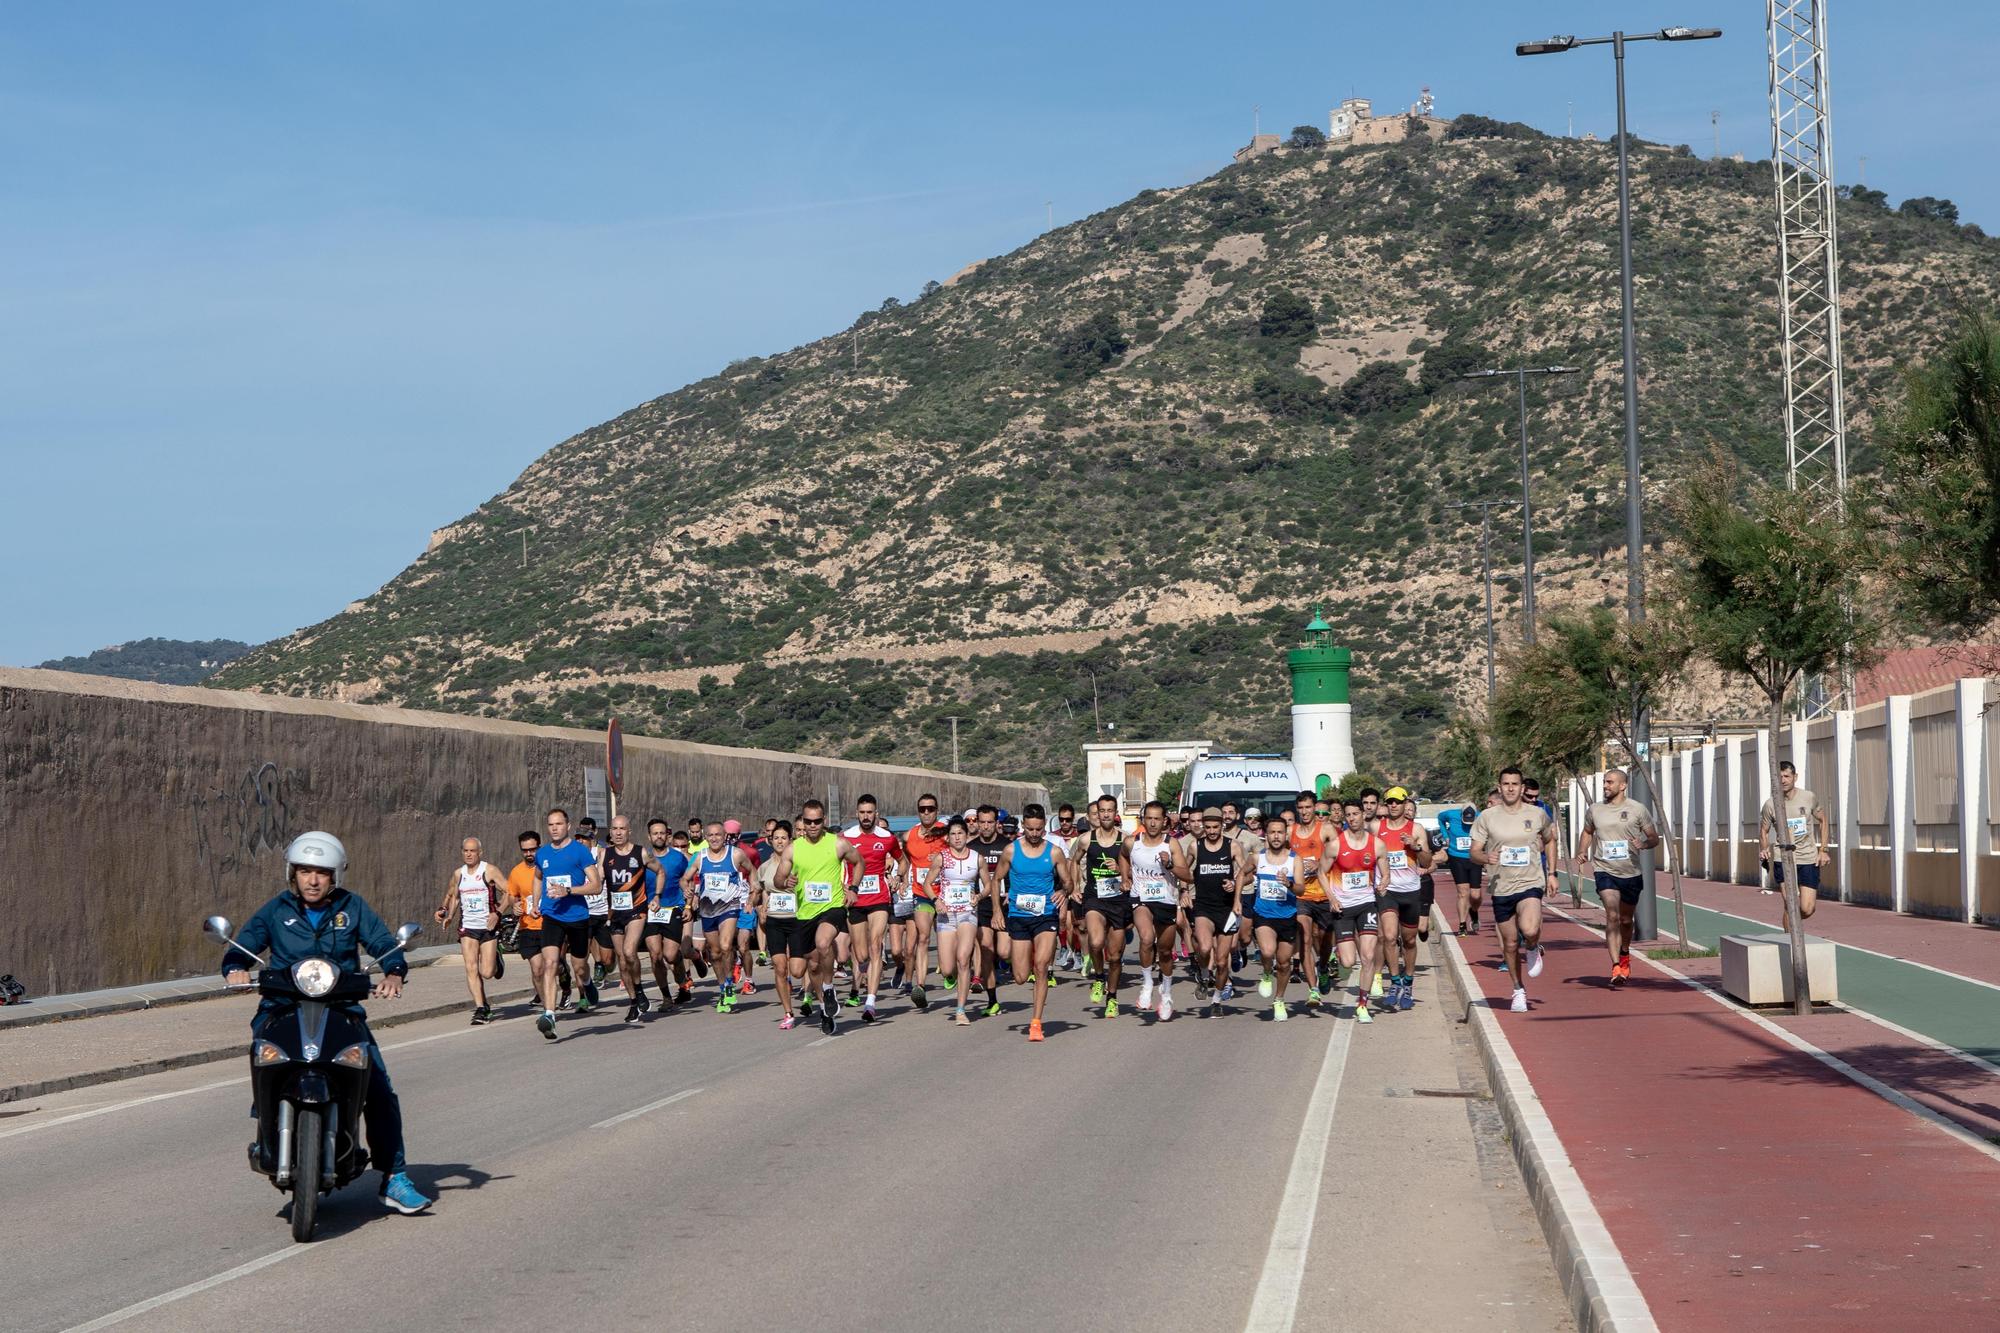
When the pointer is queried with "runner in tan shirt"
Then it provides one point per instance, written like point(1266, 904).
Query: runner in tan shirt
point(1615, 830)
point(1805, 823)
point(1513, 838)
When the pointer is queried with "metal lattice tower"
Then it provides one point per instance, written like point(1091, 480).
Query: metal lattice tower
point(1808, 277)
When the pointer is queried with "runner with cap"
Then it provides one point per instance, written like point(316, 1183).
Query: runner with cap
point(1455, 827)
point(1406, 854)
point(920, 848)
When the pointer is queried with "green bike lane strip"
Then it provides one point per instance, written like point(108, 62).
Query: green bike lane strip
point(1963, 1015)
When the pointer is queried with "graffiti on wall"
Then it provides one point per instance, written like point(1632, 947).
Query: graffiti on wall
point(235, 824)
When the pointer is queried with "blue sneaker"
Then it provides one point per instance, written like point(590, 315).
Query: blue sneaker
point(401, 1193)
point(1404, 999)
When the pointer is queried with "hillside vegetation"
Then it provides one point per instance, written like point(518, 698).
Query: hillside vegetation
point(162, 661)
point(1160, 434)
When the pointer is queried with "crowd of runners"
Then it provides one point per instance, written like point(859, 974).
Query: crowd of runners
point(1329, 896)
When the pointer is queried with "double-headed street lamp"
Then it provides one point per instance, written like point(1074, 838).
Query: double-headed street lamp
point(1635, 571)
point(1520, 374)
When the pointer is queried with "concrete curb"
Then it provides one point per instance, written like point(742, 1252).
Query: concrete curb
point(235, 1050)
point(1602, 1292)
point(152, 995)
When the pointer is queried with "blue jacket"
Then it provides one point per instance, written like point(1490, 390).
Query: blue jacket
point(347, 925)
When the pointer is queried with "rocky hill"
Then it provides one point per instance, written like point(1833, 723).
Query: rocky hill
point(1119, 464)
point(162, 661)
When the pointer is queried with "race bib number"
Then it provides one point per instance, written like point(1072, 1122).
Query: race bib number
point(1461, 844)
point(958, 897)
point(1399, 860)
point(716, 887)
point(659, 914)
point(1797, 824)
point(1516, 857)
point(871, 885)
point(1617, 849)
point(1108, 885)
point(818, 892)
point(1154, 889)
point(598, 903)
point(779, 903)
point(923, 874)
point(559, 882)
point(1354, 879)
point(1031, 904)
point(1271, 889)
point(621, 900)
point(475, 908)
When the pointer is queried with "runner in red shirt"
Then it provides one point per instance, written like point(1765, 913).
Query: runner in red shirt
point(920, 844)
point(870, 900)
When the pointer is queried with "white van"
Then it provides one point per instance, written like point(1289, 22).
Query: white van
point(1268, 781)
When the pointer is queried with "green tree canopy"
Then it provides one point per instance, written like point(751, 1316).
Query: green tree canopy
point(1940, 506)
point(1168, 788)
point(1288, 319)
point(1306, 136)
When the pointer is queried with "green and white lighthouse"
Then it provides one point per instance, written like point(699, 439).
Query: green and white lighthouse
point(1322, 722)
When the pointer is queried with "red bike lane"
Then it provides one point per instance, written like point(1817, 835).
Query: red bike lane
point(1746, 1183)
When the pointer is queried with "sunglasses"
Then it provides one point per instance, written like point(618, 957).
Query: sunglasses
point(814, 822)
point(926, 809)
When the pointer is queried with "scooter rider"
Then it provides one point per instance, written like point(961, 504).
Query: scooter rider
point(318, 918)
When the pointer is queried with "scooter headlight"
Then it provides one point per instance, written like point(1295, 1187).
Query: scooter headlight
point(314, 977)
point(354, 1057)
point(267, 1053)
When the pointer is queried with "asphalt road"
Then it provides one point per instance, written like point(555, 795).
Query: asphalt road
point(907, 1175)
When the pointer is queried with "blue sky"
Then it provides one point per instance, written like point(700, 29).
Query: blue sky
point(287, 286)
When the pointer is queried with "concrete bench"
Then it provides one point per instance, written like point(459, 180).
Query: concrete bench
point(1757, 969)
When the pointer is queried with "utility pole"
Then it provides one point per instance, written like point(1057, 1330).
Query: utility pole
point(1485, 508)
point(1256, 122)
point(1520, 374)
point(1572, 121)
point(1096, 717)
point(954, 743)
point(524, 543)
point(1051, 206)
point(1864, 171)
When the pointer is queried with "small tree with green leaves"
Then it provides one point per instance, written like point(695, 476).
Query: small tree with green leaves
point(1467, 757)
point(1940, 492)
point(1765, 590)
point(1306, 136)
point(1168, 789)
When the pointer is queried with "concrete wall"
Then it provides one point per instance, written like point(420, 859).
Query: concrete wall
point(128, 812)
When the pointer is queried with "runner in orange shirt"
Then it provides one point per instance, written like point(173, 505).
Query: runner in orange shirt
point(920, 844)
point(1309, 838)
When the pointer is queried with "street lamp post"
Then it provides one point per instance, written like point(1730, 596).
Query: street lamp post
point(1520, 374)
point(1646, 924)
point(1485, 508)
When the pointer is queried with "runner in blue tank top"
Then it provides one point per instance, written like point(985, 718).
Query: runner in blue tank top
point(1034, 870)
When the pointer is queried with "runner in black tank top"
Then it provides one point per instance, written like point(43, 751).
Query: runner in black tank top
point(1107, 903)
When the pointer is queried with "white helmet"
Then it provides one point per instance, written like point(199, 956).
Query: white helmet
point(320, 850)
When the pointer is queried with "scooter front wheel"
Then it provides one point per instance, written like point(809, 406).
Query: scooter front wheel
point(310, 1139)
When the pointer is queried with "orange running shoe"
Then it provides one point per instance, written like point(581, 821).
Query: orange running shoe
point(1621, 971)
point(1034, 1029)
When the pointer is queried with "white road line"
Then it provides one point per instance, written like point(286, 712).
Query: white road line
point(189, 1092)
point(192, 1288)
point(1827, 1058)
point(1277, 1299)
point(822, 1041)
point(119, 1106)
point(649, 1106)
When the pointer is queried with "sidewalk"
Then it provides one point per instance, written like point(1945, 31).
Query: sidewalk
point(1745, 1182)
point(129, 1040)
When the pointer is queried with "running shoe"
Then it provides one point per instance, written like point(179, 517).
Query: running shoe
point(1145, 993)
point(1375, 987)
point(1166, 1007)
point(806, 1003)
point(1326, 979)
point(562, 987)
point(1111, 1008)
point(686, 994)
point(827, 1005)
point(919, 999)
point(993, 1009)
point(499, 966)
point(1361, 1014)
point(1034, 1029)
point(786, 1023)
point(868, 1011)
point(748, 987)
point(1097, 992)
point(1278, 1011)
point(1298, 977)
point(1617, 976)
point(645, 1005)
point(401, 1193)
point(1405, 999)
point(763, 959)
point(701, 967)
point(598, 973)
point(546, 1025)
point(480, 1014)
point(1520, 1002)
point(632, 1014)
point(854, 999)
point(960, 1019)
point(1054, 980)
point(1535, 961)
point(1228, 991)
point(722, 1004)
point(1266, 986)
point(1312, 995)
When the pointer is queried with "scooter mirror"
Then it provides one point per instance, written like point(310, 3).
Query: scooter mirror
point(219, 927)
point(408, 931)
